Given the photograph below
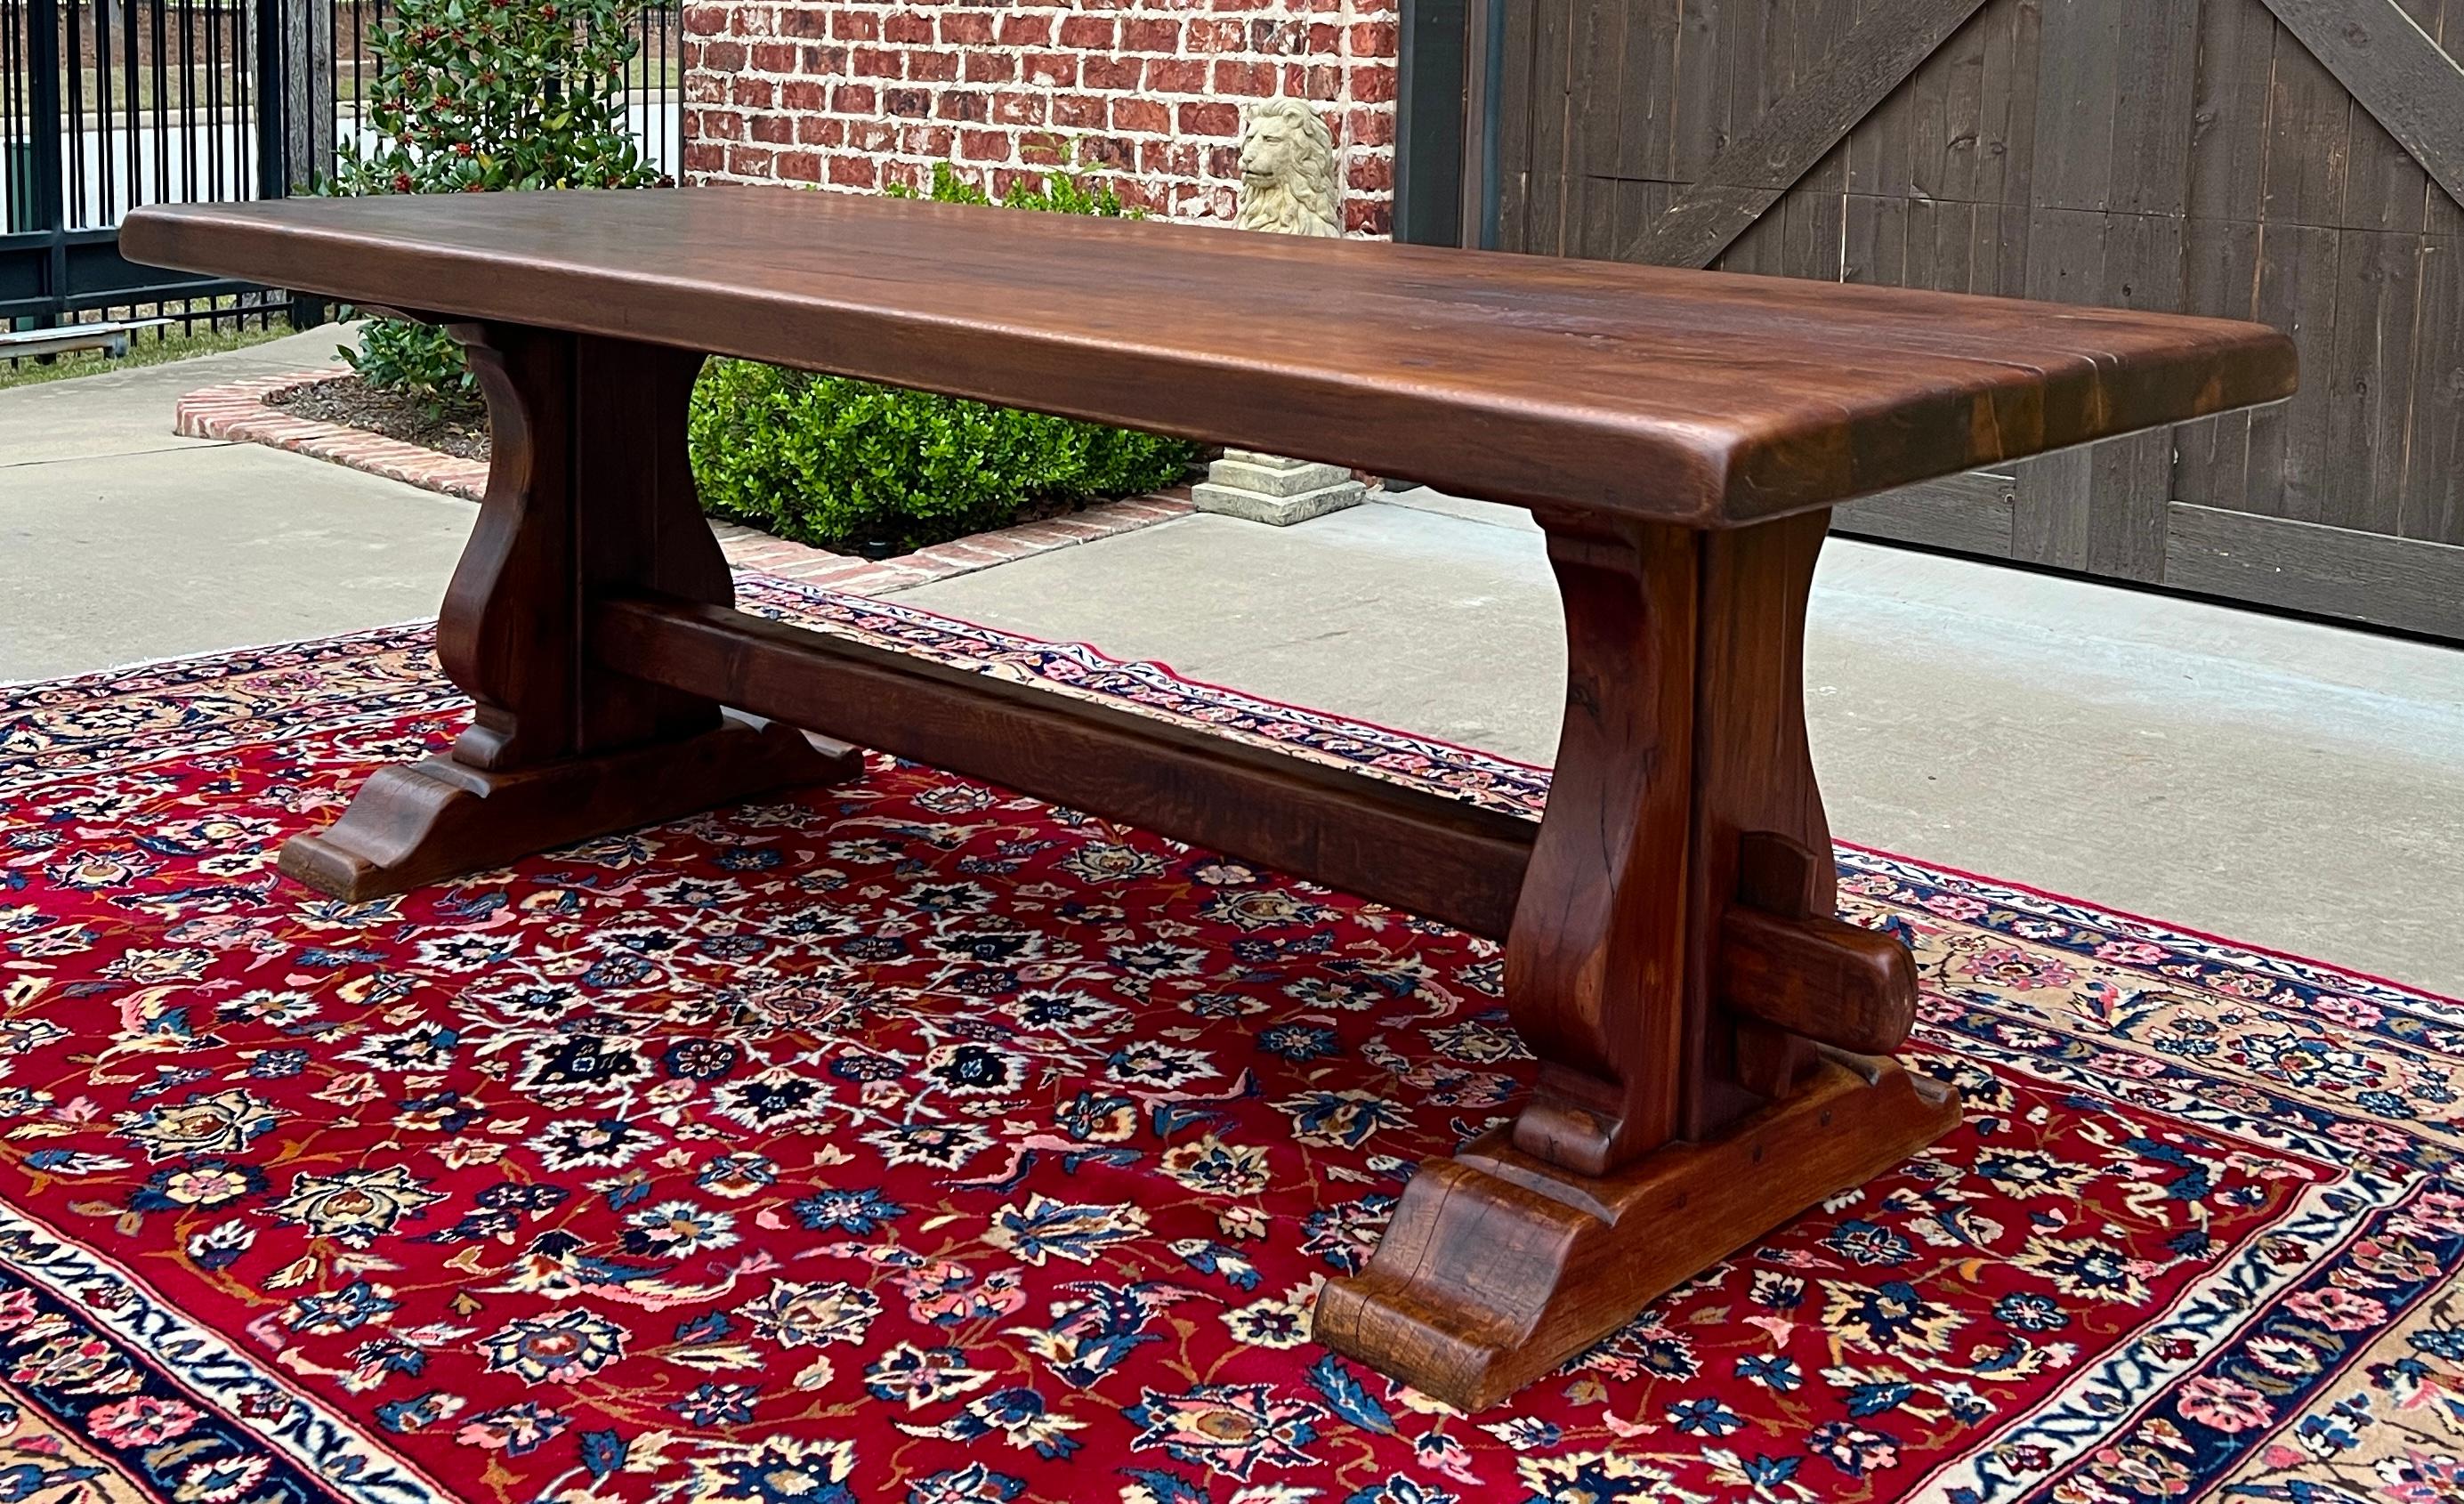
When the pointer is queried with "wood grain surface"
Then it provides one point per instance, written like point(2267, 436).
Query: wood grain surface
point(1667, 394)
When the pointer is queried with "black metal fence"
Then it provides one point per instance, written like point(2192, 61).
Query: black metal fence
point(107, 104)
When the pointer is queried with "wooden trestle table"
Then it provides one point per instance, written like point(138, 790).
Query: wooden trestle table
point(1714, 1044)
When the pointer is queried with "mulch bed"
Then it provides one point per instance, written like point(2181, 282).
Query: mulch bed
point(353, 403)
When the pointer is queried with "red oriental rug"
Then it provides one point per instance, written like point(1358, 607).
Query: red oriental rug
point(914, 1142)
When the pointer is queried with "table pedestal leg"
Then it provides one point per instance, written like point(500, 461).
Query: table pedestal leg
point(1674, 965)
point(589, 491)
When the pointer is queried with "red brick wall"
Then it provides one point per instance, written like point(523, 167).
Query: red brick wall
point(1147, 93)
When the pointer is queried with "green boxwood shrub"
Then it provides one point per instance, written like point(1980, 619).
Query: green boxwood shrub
point(850, 464)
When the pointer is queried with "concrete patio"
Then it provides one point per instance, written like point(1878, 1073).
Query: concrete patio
point(120, 541)
point(2285, 784)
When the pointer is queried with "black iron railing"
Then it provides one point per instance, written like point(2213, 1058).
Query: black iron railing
point(107, 104)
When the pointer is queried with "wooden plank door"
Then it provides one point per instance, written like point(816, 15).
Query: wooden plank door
point(2298, 162)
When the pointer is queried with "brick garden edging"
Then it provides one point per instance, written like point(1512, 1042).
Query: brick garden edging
point(237, 412)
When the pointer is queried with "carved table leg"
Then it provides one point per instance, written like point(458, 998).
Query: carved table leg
point(588, 491)
point(1674, 965)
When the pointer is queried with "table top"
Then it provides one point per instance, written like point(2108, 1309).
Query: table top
point(1710, 399)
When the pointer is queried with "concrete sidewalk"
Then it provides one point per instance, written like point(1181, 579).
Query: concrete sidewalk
point(2284, 784)
point(2275, 782)
point(120, 541)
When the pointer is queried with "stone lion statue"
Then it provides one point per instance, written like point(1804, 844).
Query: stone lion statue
point(1288, 170)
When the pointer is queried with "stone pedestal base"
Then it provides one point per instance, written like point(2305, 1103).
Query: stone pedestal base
point(1267, 487)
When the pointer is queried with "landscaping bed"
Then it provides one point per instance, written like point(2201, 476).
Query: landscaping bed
point(348, 400)
point(239, 411)
point(827, 465)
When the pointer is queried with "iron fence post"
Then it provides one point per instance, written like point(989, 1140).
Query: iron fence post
point(310, 126)
point(292, 72)
point(310, 122)
point(46, 194)
point(1429, 106)
point(273, 178)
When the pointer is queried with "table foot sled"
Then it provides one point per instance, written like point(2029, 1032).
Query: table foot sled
point(1711, 1040)
point(1498, 1267)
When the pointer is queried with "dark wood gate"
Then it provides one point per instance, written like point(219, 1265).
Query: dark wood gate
point(2298, 161)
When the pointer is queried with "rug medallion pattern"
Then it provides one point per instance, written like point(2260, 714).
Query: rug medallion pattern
point(913, 1141)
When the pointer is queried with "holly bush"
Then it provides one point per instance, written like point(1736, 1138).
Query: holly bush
point(849, 464)
point(478, 95)
point(473, 95)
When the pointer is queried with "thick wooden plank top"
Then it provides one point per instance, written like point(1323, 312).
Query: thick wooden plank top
point(1705, 398)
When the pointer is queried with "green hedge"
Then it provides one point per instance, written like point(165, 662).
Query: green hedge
point(849, 464)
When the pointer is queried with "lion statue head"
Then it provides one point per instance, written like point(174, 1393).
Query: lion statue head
point(1288, 170)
